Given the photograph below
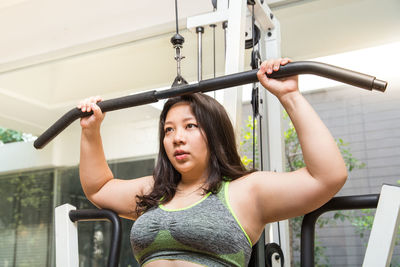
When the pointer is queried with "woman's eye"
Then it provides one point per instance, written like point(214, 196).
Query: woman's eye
point(168, 129)
point(191, 125)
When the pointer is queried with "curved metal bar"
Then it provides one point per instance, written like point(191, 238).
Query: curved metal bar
point(103, 214)
point(293, 68)
point(336, 203)
point(107, 105)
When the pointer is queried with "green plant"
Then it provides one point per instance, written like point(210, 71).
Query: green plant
point(294, 161)
point(363, 221)
point(10, 136)
point(26, 199)
point(246, 144)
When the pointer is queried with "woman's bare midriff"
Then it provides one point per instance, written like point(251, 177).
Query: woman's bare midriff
point(171, 263)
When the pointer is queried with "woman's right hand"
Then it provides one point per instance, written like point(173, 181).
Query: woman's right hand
point(279, 87)
point(94, 121)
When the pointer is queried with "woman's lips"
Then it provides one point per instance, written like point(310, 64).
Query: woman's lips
point(181, 156)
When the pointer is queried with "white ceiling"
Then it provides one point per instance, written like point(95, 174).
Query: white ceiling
point(55, 52)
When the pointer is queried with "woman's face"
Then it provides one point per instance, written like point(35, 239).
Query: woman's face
point(184, 142)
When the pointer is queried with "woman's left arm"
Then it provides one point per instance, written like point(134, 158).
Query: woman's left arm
point(325, 173)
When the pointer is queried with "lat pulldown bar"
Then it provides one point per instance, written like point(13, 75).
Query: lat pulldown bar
point(294, 68)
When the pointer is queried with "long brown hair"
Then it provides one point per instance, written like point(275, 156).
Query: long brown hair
point(225, 163)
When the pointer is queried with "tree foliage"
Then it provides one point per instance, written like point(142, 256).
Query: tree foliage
point(10, 136)
point(294, 161)
point(246, 144)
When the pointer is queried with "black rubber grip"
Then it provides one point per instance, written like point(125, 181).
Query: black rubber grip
point(105, 106)
point(331, 72)
point(116, 233)
point(294, 68)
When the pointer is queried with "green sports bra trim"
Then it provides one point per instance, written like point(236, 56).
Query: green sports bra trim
point(161, 206)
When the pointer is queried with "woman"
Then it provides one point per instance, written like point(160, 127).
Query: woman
point(201, 207)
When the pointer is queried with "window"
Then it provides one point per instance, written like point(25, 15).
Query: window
point(27, 202)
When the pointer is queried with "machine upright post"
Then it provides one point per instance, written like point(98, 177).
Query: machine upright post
point(272, 123)
point(234, 61)
point(384, 229)
point(66, 233)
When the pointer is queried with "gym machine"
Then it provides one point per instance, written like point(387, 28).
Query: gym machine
point(233, 17)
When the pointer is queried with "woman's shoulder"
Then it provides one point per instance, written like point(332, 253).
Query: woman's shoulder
point(250, 181)
point(145, 184)
point(148, 183)
point(248, 177)
point(242, 183)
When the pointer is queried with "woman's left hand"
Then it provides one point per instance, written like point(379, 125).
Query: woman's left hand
point(279, 87)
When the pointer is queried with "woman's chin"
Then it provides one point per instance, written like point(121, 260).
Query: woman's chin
point(183, 171)
point(188, 171)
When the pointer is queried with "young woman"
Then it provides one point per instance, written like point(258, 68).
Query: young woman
point(201, 207)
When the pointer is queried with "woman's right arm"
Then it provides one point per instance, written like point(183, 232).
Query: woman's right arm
point(97, 180)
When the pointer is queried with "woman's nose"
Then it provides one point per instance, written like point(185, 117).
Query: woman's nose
point(179, 136)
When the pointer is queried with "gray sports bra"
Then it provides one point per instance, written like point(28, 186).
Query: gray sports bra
point(207, 233)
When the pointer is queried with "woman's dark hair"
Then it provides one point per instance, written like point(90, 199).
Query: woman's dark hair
point(224, 162)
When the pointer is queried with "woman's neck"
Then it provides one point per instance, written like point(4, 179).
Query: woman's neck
point(191, 183)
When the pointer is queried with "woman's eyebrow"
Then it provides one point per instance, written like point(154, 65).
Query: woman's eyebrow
point(184, 120)
point(189, 118)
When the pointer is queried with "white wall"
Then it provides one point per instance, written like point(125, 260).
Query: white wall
point(57, 28)
point(122, 140)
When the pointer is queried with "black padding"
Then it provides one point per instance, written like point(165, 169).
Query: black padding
point(107, 105)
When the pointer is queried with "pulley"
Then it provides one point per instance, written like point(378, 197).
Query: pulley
point(177, 41)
